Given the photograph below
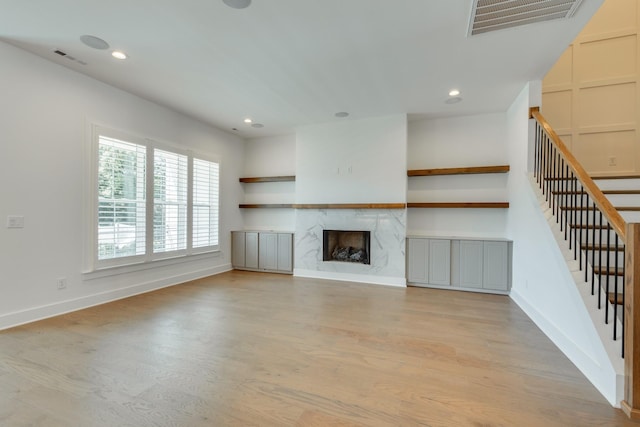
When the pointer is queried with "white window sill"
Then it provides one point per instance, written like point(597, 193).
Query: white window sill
point(148, 265)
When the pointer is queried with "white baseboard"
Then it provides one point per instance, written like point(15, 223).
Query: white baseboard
point(29, 315)
point(591, 369)
point(349, 277)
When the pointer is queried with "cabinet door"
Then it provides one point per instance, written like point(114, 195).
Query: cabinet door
point(496, 266)
point(440, 262)
point(251, 250)
point(285, 252)
point(268, 250)
point(417, 249)
point(471, 263)
point(237, 248)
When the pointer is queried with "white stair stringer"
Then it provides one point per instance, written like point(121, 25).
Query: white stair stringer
point(605, 331)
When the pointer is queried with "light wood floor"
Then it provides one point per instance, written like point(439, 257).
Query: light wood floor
point(255, 349)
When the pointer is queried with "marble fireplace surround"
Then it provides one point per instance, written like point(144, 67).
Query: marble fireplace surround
point(387, 252)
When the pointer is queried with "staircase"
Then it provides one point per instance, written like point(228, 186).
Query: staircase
point(598, 227)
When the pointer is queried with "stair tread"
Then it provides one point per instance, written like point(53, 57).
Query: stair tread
point(615, 298)
point(612, 271)
point(603, 247)
point(628, 208)
point(613, 192)
point(602, 177)
point(590, 208)
point(589, 226)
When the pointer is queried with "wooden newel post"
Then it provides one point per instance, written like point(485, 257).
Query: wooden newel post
point(631, 403)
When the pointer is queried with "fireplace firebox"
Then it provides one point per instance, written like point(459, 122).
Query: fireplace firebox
point(346, 246)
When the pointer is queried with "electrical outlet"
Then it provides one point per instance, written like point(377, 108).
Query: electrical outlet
point(62, 283)
point(613, 161)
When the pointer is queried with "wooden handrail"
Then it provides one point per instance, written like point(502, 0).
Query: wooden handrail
point(613, 216)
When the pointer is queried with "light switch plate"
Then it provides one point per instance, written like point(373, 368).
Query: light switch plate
point(15, 221)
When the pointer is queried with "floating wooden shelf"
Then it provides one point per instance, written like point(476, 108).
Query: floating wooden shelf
point(324, 206)
point(467, 205)
point(266, 205)
point(255, 179)
point(459, 171)
point(352, 206)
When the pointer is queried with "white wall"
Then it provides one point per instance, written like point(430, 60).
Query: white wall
point(457, 142)
point(477, 140)
point(352, 161)
point(542, 283)
point(270, 156)
point(45, 110)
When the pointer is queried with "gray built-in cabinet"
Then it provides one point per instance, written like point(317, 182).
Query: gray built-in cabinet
point(262, 251)
point(481, 265)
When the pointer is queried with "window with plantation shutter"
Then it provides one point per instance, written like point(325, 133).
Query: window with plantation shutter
point(151, 201)
point(121, 198)
point(169, 201)
point(205, 203)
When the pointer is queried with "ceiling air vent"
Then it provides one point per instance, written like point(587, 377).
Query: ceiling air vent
point(492, 15)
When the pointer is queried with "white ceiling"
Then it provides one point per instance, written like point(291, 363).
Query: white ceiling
point(289, 63)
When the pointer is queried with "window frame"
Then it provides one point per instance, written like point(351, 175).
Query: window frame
point(149, 256)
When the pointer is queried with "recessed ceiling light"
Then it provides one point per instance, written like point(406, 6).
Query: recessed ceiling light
point(248, 120)
point(257, 125)
point(118, 54)
point(237, 4)
point(94, 42)
point(453, 100)
point(342, 114)
point(454, 92)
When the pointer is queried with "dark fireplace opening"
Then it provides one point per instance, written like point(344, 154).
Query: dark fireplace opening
point(346, 246)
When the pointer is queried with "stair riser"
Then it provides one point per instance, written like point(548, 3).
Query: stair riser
point(582, 234)
point(624, 199)
point(601, 259)
point(612, 281)
point(586, 217)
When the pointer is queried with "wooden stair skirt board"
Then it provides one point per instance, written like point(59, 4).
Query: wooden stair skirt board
point(459, 171)
point(463, 205)
point(287, 178)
